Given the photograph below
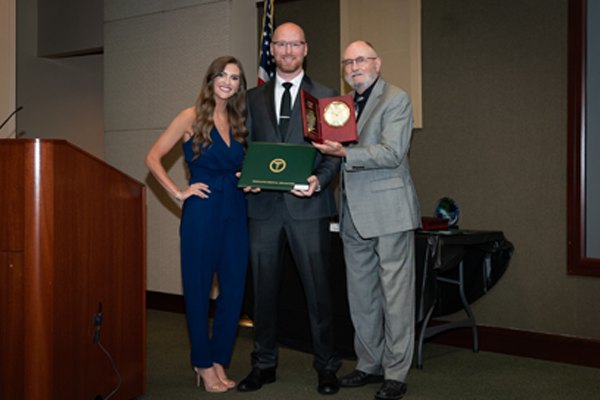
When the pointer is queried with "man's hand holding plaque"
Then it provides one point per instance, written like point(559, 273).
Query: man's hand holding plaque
point(331, 118)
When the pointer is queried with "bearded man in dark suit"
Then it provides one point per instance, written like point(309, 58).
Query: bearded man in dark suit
point(299, 218)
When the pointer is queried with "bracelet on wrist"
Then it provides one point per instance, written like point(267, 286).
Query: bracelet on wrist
point(178, 196)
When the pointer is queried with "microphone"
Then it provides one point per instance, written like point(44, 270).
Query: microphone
point(97, 323)
point(10, 116)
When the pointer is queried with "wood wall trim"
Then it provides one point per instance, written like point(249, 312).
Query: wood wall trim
point(541, 346)
point(165, 302)
point(577, 262)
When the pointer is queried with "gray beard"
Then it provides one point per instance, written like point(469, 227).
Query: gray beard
point(363, 85)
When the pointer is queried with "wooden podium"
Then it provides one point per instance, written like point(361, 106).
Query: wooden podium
point(72, 236)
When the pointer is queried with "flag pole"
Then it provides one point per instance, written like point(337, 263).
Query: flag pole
point(266, 69)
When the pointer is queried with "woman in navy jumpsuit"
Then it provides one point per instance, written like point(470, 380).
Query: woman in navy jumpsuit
point(214, 234)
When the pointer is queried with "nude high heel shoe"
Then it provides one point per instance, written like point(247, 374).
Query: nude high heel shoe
point(221, 375)
point(229, 383)
point(222, 388)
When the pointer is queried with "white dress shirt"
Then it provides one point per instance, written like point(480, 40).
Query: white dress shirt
point(279, 89)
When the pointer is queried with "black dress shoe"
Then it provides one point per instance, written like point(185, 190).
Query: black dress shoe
point(328, 383)
point(391, 390)
point(358, 378)
point(256, 379)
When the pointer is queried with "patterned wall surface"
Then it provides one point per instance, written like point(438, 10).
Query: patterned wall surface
point(156, 54)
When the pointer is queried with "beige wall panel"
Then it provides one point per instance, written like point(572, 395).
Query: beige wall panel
point(126, 151)
point(393, 27)
point(243, 35)
point(397, 64)
point(155, 63)
point(8, 40)
point(585, 300)
point(154, 238)
point(69, 27)
point(190, 40)
point(62, 98)
point(168, 213)
point(170, 260)
point(133, 71)
point(122, 9)
point(154, 69)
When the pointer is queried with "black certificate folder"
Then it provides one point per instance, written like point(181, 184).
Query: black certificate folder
point(277, 166)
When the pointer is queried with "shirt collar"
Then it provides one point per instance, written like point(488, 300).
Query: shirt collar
point(365, 95)
point(296, 81)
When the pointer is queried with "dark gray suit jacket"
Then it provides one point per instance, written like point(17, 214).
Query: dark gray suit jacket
point(261, 123)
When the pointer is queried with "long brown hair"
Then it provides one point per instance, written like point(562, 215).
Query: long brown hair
point(205, 106)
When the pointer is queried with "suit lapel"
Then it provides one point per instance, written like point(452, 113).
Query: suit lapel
point(373, 101)
point(270, 100)
point(296, 117)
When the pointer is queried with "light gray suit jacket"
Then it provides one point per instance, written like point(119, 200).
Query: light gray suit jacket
point(377, 185)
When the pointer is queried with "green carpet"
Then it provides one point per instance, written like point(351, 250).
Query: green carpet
point(448, 373)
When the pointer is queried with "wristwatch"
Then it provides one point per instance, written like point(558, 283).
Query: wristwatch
point(336, 114)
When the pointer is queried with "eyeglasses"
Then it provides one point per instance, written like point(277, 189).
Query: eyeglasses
point(296, 44)
point(360, 61)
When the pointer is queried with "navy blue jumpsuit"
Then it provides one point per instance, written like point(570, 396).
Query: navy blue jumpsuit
point(214, 238)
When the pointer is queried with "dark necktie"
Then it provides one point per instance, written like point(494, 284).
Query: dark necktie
point(286, 108)
point(358, 105)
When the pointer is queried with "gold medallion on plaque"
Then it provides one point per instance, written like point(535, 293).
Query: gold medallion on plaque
point(336, 114)
point(311, 120)
point(277, 165)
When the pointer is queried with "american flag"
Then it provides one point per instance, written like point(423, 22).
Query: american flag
point(266, 71)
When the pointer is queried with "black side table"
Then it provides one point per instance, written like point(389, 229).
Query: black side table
point(458, 268)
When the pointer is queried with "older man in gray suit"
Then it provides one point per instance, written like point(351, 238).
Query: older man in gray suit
point(379, 213)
